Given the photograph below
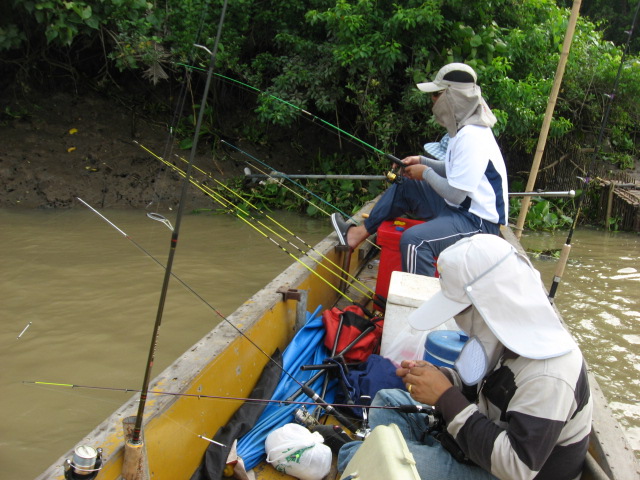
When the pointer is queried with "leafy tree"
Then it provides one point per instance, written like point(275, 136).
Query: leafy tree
point(356, 61)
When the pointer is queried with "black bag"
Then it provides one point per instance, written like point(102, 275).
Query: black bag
point(451, 446)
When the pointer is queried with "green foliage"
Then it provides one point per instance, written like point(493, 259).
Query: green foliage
point(544, 214)
point(356, 62)
point(614, 18)
point(614, 223)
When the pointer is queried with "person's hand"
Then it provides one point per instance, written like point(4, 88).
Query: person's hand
point(412, 160)
point(414, 172)
point(423, 380)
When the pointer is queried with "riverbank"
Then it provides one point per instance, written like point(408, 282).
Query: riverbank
point(62, 146)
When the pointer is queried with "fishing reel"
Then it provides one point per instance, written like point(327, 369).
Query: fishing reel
point(435, 421)
point(85, 465)
point(303, 417)
point(334, 435)
point(393, 177)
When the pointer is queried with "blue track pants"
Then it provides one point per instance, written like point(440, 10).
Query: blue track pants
point(421, 245)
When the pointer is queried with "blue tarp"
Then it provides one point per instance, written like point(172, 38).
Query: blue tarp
point(306, 348)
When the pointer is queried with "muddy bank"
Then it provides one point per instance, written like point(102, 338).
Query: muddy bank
point(60, 147)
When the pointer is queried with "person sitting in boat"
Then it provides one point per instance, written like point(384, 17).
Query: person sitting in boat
point(459, 194)
point(531, 412)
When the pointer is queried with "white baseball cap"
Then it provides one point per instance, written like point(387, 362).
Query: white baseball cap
point(453, 74)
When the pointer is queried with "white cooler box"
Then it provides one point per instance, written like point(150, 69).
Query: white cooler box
point(407, 292)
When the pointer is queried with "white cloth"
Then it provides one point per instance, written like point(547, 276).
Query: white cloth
point(474, 164)
point(458, 106)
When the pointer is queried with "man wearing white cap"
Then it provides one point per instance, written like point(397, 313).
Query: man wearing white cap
point(530, 415)
point(461, 192)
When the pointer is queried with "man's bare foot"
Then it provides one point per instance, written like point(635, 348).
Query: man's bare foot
point(348, 233)
point(356, 235)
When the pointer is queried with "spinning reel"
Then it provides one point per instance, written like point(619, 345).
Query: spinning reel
point(393, 177)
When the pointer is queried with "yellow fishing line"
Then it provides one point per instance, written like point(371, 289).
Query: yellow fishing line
point(353, 278)
point(208, 191)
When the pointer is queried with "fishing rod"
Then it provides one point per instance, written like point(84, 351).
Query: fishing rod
point(152, 257)
point(137, 429)
point(307, 114)
point(289, 189)
point(566, 248)
point(276, 175)
point(245, 216)
point(248, 174)
point(317, 399)
point(289, 232)
point(409, 408)
point(391, 176)
point(302, 187)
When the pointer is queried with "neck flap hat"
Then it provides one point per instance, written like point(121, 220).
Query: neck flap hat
point(461, 101)
point(486, 272)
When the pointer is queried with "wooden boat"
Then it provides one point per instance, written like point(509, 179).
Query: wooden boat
point(224, 363)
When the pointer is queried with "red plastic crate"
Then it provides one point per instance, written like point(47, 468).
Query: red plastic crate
point(389, 234)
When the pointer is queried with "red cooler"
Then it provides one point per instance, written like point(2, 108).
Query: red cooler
point(389, 235)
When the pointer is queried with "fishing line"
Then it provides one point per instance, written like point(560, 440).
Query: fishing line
point(226, 203)
point(289, 232)
point(318, 400)
point(306, 114)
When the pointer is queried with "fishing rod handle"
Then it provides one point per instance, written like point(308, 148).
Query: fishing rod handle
point(329, 408)
point(395, 160)
point(562, 261)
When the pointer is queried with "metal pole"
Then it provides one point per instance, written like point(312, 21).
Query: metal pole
point(317, 177)
point(568, 193)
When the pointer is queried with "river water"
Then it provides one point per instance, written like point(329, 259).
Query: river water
point(79, 301)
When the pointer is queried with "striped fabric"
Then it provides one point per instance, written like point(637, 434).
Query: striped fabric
point(532, 419)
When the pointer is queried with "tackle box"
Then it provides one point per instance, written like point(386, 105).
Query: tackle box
point(389, 234)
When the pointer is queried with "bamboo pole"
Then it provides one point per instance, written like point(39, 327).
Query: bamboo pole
point(544, 131)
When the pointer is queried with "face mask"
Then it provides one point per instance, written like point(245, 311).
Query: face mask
point(481, 352)
point(472, 363)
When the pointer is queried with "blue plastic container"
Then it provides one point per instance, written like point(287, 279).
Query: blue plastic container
point(442, 347)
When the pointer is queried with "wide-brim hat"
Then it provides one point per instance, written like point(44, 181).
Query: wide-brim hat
point(438, 150)
point(453, 74)
point(488, 273)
